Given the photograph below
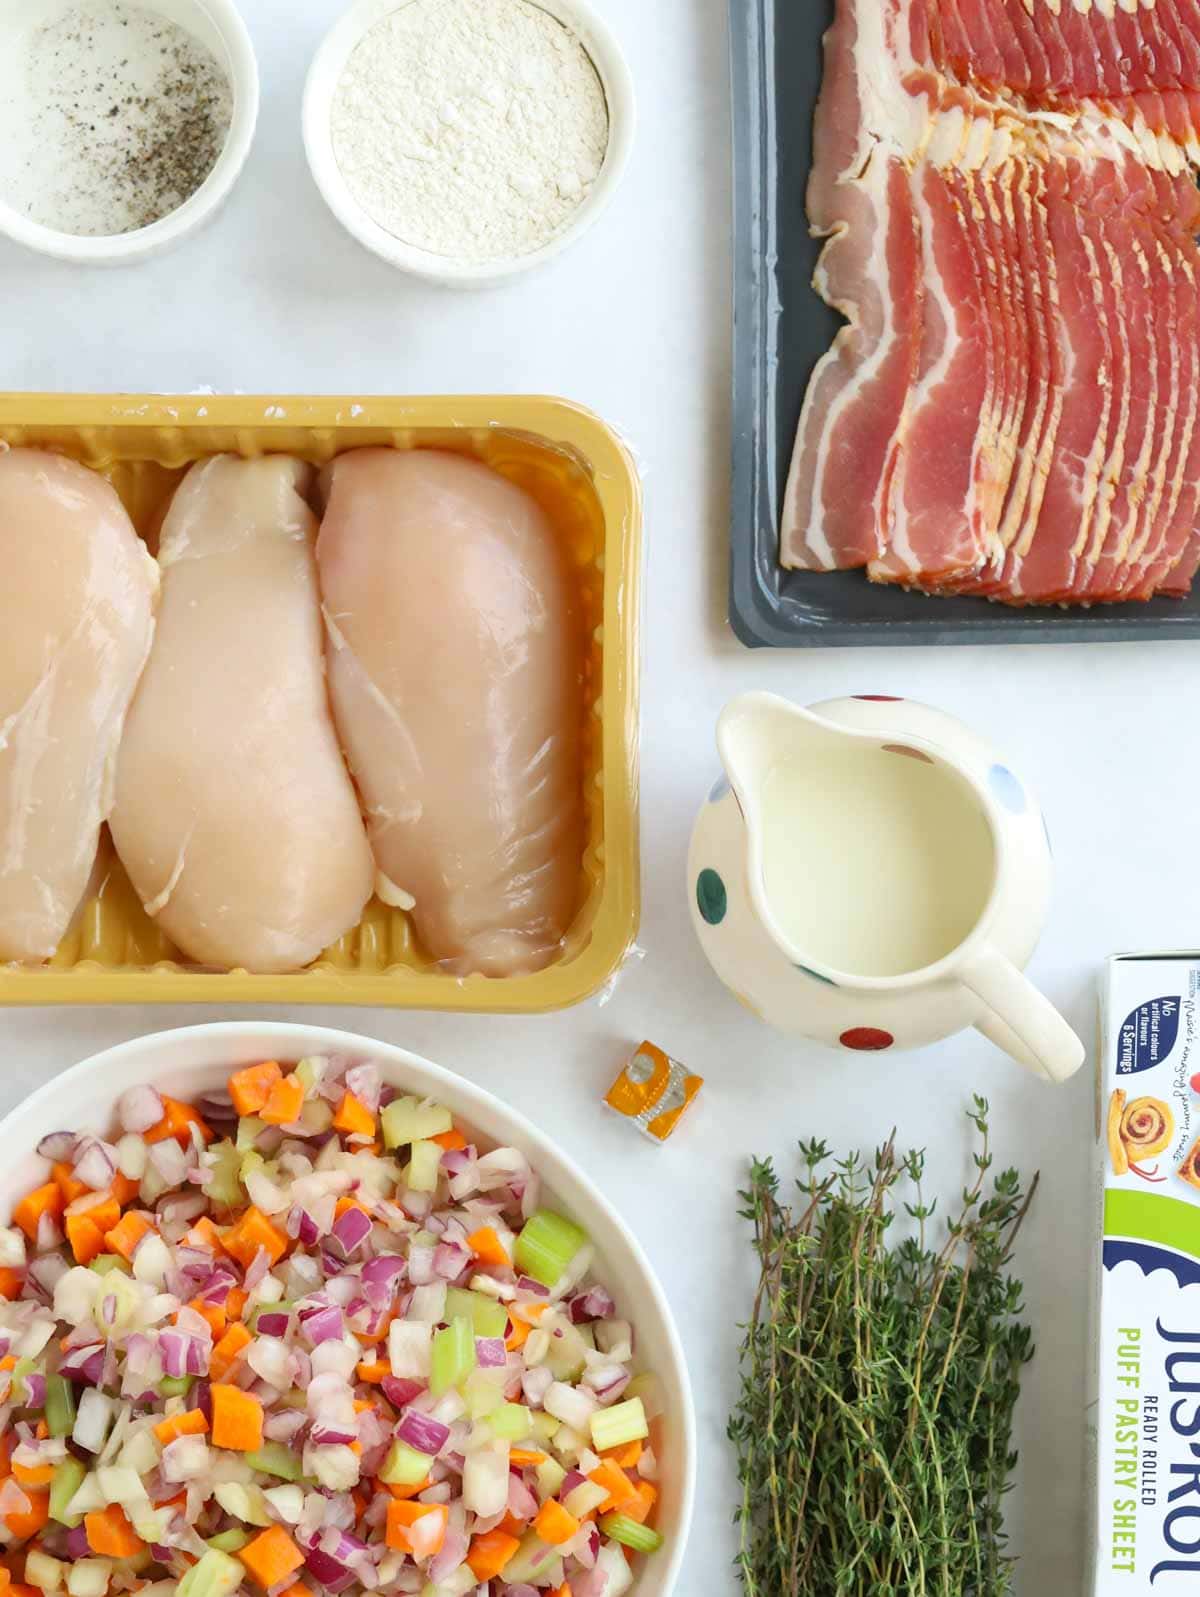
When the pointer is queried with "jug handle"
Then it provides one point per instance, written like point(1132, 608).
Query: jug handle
point(1023, 1022)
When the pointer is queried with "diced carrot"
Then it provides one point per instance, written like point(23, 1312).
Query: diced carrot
point(27, 1475)
point(616, 1483)
point(42, 1200)
point(125, 1235)
point(641, 1505)
point(204, 1234)
point(374, 1373)
point(517, 1337)
point(564, 1590)
point(124, 1188)
point(110, 1535)
point(101, 1208)
point(237, 1424)
point(344, 1205)
point(10, 1283)
point(271, 1557)
point(522, 1457)
point(5, 1579)
point(8, 1362)
point(411, 1491)
point(19, 1590)
point(250, 1088)
point(353, 1117)
point(235, 1303)
point(531, 1313)
point(227, 1349)
point(23, 1526)
point(554, 1524)
point(192, 1423)
point(487, 1247)
point(298, 1590)
point(86, 1239)
point(513, 1525)
point(452, 1141)
point(68, 1183)
point(626, 1456)
point(489, 1553)
point(254, 1231)
point(402, 1516)
point(177, 1121)
point(213, 1313)
point(373, 1338)
point(284, 1103)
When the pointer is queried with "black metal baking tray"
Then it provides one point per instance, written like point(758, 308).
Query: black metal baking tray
point(781, 329)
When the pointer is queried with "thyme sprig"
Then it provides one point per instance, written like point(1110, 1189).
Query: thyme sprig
point(879, 1380)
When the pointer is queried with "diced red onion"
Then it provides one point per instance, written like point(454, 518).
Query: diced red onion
point(521, 1500)
point(535, 1384)
point(607, 1381)
point(523, 1589)
point(139, 1108)
point(335, 1577)
point(58, 1146)
point(528, 1287)
point(77, 1544)
point(260, 1268)
point(452, 1554)
point(321, 1324)
point(420, 1266)
point(421, 1432)
point(593, 1583)
point(216, 1106)
point(302, 1226)
point(450, 1260)
point(571, 1480)
point(351, 1230)
point(83, 1364)
point(455, 1160)
point(594, 1303)
point(365, 1083)
point(399, 1392)
point(95, 1163)
point(182, 1211)
point(49, 1233)
point(35, 1391)
point(47, 1270)
point(168, 1160)
point(284, 1424)
point(490, 1352)
point(273, 1324)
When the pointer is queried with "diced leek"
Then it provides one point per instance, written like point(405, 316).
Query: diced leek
point(425, 1165)
point(229, 1541)
point(44, 1572)
point(511, 1421)
point(69, 1476)
point(407, 1120)
point(550, 1475)
point(547, 1244)
point(216, 1575)
point(452, 1357)
point(629, 1533)
point(60, 1405)
point(106, 1263)
point(175, 1385)
point(404, 1466)
point(274, 1458)
point(488, 1317)
point(623, 1422)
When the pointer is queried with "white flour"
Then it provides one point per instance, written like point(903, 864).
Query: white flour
point(470, 128)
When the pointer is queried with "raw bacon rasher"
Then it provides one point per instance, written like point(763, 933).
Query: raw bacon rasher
point(1008, 193)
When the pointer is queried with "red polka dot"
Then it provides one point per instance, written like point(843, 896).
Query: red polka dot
point(866, 1039)
point(879, 698)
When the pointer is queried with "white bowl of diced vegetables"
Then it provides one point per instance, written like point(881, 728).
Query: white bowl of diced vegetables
point(364, 1329)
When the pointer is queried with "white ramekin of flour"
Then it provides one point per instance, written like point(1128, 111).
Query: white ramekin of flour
point(465, 141)
point(124, 124)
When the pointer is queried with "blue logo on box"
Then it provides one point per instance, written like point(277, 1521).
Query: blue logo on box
point(1147, 1036)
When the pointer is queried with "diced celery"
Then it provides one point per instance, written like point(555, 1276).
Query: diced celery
point(44, 1572)
point(274, 1458)
point(224, 1184)
point(630, 1534)
point(545, 1426)
point(483, 1393)
point(488, 1317)
point(409, 1120)
point(106, 1263)
point(452, 1357)
point(531, 1561)
point(250, 1127)
point(584, 1497)
point(88, 1577)
point(511, 1421)
point(424, 1167)
point(547, 1244)
point(550, 1475)
point(404, 1466)
point(309, 1071)
point(60, 1405)
point(316, 1115)
point(69, 1476)
point(251, 1160)
point(647, 1387)
point(623, 1422)
point(216, 1575)
point(229, 1541)
point(175, 1385)
point(21, 1369)
point(246, 1503)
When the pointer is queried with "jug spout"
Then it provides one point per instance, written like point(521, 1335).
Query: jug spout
point(757, 731)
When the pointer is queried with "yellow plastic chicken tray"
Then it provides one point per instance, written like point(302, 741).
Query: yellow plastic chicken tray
point(585, 479)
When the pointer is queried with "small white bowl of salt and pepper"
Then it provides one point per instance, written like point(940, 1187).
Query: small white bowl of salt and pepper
point(467, 141)
point(123, 126)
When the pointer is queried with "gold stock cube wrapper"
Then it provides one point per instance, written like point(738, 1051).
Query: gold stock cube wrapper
point(653, 1090)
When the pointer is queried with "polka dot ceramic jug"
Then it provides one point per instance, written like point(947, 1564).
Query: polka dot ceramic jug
point(867, 873)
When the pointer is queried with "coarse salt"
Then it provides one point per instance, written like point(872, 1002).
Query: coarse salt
point(473, 129)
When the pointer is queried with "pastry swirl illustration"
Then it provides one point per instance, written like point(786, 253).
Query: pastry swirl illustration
point(1137, 1129)
point(1189, 1170)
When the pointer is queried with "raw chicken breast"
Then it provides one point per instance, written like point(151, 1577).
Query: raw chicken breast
point(235, 816)
point(76, 617)
point(454, 664)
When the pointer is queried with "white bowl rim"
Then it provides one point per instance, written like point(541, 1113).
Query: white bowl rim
point(114, 248)
point(460, 1094)
point(607, 57)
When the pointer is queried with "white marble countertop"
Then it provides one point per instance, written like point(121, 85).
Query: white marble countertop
point(273, 297)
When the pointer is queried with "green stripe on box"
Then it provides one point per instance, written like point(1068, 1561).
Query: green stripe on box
point(1147, 1217)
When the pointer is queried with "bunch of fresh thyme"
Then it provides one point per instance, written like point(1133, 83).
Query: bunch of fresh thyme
point(879, 1382)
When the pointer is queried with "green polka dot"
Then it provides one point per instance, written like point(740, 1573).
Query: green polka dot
point(711, 897)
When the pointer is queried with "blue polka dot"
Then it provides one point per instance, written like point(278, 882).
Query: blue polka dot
point(711, 898)
point(1008, 789)
point(816, 976)
point(719, 789)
